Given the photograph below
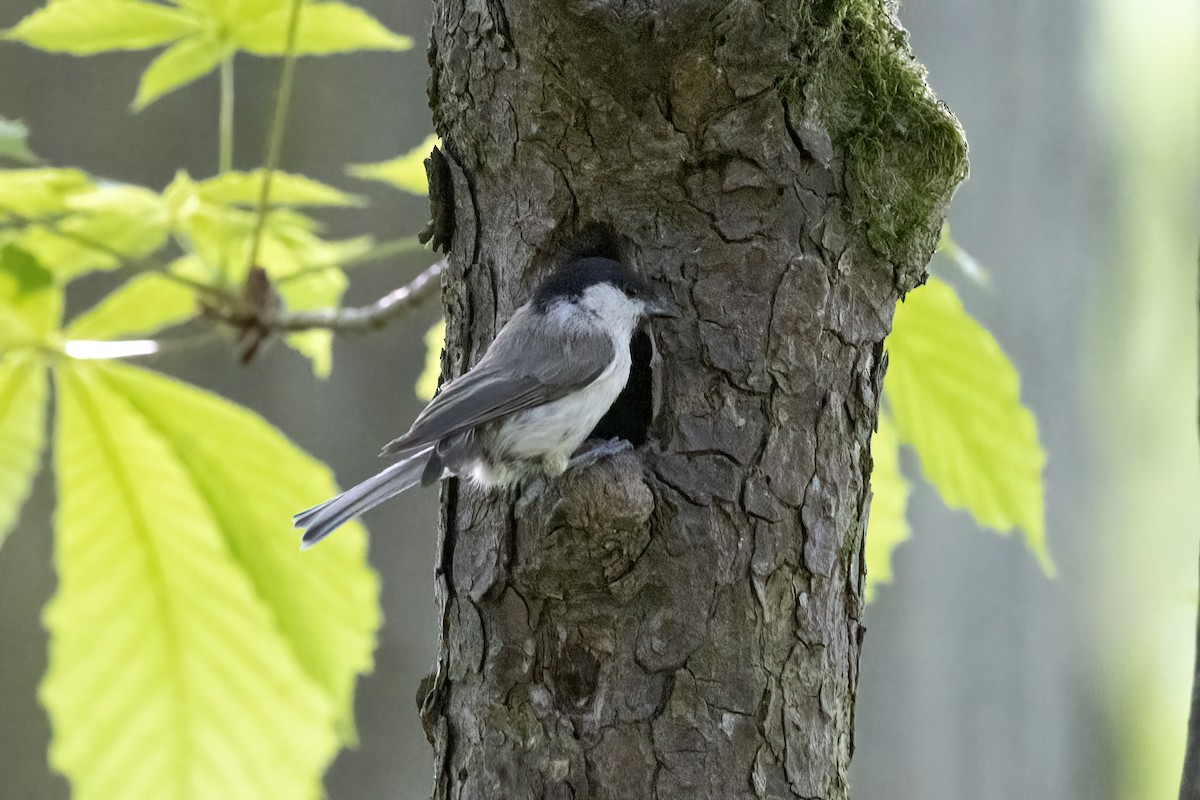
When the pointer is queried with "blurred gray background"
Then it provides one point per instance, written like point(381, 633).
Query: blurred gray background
point(982, 678)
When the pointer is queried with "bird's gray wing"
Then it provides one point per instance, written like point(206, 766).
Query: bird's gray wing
point(526, 366)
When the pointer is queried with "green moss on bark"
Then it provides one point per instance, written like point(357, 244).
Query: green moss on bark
point(904, 151)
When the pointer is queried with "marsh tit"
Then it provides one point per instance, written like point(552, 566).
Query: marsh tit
point(549, 376)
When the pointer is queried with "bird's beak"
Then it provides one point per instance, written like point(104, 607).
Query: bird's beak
point(660, 306)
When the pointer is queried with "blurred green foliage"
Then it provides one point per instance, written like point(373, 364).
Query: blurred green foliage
point(953, 396)
point(1141, 375)
point(195, 652)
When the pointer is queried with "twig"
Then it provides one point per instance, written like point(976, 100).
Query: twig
point(343, 320)
point(283, 96)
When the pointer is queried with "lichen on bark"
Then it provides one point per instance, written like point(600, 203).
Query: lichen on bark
point(681, 621)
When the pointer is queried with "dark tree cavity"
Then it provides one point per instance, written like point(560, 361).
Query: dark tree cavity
point(682, 621)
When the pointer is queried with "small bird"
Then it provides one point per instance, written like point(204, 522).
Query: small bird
point(549, 376)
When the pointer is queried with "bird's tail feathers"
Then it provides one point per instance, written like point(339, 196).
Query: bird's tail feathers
point(322, 520)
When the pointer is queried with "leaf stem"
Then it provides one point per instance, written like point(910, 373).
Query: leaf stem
point(225, 156)
point(283, 96)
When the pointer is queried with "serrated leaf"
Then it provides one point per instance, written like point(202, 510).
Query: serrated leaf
point(84, 27)
point(14, 142)
point(144, 305)
point(179, 65)
point(887, 525)
point(22, 431)
point(195, 653)
point(955, 397)
point(406, 172)
point(324, 28)
point(435, 340)
point(243, 188)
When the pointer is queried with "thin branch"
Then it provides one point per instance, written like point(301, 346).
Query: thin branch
point(341, 320)
point(283, 97)
point(225, 132)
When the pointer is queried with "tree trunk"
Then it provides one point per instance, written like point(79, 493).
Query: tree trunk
point(682, 621)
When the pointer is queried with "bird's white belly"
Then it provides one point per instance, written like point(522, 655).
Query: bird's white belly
point(554, 431)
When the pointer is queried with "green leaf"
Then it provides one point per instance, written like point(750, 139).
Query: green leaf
point(14, 142)
point(101, 227)
point(955, 398)
point(406, 172)
point(178, 65)
point(243, 188)
point(305, 267)
point(318, 290)
point(25, 270)
point(195, 652)
point(228, 12)
point(30, 308)
point(887, 526)
point(324, 28)
point(35, 193)
point(435, 340)
point(143, 306)
point(84, 27)
point(22, 431)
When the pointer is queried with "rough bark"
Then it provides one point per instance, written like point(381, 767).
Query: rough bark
point(682, 621)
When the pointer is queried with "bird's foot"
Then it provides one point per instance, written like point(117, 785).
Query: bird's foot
point(600, 451)
point(531, 490)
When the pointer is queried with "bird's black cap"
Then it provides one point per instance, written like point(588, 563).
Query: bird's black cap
point(573, 278)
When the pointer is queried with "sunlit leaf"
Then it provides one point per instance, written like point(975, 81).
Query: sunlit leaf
point(14, 143)
point(22, 430)
point(39, 192)
point(143, 306)
point(243, 188)
point(84, 27)
point(30, 306)
point(209, 217)
point(887, 525)
point(435, 340)
point(406, 172)
point(178, 65)
point(99, 229)
point(322, 289)
point(228, 12)
point(173, 543)
point(27, 274)
point(324, 28)
point(955, 398)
